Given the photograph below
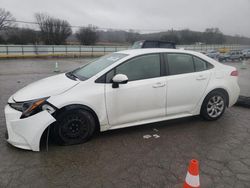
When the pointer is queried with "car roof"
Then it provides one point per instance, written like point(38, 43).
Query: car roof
point(155, 50)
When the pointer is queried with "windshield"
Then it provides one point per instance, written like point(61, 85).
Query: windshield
point(96, 66)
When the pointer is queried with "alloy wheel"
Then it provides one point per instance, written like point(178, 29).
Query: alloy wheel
point(215, 106)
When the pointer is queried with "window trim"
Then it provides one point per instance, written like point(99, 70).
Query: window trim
point(102, 78)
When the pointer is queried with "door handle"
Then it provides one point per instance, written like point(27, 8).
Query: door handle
point(159, 84)
point(201, 78)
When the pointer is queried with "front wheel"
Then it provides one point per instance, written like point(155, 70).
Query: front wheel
point(213, 106)
point(74, 127)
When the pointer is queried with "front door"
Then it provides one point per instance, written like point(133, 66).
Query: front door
point(143, 97)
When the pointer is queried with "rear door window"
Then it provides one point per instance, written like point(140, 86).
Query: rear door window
point(185, 63)
point(179, 63)
point(199, 64)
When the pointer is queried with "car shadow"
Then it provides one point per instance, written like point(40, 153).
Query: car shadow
point(167, 125)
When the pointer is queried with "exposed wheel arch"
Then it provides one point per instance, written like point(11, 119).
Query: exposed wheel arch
point(68, 107)
point(79, 106)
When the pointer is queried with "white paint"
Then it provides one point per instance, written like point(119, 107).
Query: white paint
point(147, 136)
point(120, 78)
point(193, 181)
point(137, 102)
point(53, 85)
point(156, 136)
point(26, 133)
point(184, 97)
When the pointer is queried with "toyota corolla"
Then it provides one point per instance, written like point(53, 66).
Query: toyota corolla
point(122, 89)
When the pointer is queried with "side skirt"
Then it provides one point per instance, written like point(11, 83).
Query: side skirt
point(145, 121)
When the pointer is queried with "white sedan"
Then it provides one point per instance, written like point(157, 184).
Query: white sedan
point(122, 89)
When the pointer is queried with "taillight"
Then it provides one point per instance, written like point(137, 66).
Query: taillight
point(234, 73)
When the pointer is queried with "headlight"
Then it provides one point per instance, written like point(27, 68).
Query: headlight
point(29, 108)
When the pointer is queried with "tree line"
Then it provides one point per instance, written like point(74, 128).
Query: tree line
point(55, 31)
point(52, 31)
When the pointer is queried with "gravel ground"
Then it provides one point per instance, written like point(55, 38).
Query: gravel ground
point(123, 158)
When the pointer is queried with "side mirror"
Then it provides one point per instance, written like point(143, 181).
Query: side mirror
point(119, 79)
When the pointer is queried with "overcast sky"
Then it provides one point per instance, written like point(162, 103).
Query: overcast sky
point(231, 16)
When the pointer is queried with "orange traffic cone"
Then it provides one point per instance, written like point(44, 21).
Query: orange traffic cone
point(192, 179)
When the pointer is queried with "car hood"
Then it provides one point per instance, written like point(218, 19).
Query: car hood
point(46, 87)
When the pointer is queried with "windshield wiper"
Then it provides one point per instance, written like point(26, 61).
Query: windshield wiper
point(71, 75)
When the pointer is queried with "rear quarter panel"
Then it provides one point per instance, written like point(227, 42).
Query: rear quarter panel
point(221, 79)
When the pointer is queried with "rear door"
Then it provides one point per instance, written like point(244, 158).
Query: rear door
point(187, 80)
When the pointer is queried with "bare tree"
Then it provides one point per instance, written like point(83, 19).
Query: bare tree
point(21, 36)
point(171, 36)
point(2, 41)
point(87, 35)
point(213, 36)
point(53, 30)
point(6, 19)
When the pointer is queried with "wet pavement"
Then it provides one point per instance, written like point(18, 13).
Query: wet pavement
point(123, 158)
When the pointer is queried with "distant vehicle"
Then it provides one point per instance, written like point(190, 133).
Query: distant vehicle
point(203, 52)
point(224, 50)
point(224, 57)
point(235, 55)
point(153, 44)
point(122, 89)
point(213, 54)
point(246, 53)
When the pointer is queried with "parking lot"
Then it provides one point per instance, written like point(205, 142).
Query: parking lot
point(124, 158)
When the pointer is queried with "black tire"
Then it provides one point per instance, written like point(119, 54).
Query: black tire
point(74, 126)
point(209, 109)
point(243, 101)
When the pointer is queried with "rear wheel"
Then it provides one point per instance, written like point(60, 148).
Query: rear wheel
point(74, 127)
point(214, 105)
